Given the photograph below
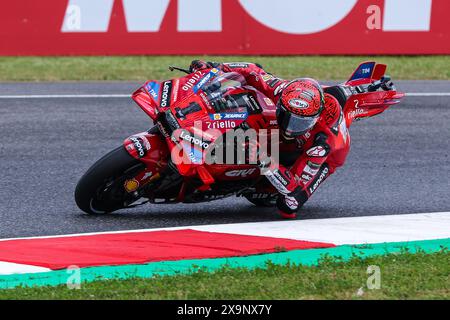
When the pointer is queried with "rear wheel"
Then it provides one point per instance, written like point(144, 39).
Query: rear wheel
point(101, 189)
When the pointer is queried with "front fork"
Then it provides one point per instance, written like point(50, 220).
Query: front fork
point(151, 149)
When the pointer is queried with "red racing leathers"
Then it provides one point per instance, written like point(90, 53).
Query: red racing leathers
point(319, 151)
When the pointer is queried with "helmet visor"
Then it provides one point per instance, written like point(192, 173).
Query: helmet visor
point(294, 125)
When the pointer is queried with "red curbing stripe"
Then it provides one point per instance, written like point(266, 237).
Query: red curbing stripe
point(141, 247)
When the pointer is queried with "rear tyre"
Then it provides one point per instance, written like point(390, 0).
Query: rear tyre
point(100, 190)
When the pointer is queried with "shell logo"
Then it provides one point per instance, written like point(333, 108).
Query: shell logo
point(131, 185)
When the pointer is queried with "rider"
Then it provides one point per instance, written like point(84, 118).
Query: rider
point(312, 127)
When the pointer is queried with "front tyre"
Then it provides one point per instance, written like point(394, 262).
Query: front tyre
point(101, 189)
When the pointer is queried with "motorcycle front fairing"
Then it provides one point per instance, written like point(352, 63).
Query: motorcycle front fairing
point(191, 113)
point(217, 103)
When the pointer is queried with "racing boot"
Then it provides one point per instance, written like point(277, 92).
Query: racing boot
point(287, 207)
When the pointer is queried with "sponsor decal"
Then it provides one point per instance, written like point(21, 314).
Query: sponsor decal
point(193, 158)
point(291, 202)
point(251, 103)
point(279, 89)
point(357, 112)
point(313, 165)
point(310, 170)
point(364, 71)
point(185, 135)
point(309, 95)
point(153, 89)
point(269, 102)
point(267, 77)
point(317, 151)
point(301, 140)
point(273, 122)
point(205, 99)
point(298, 103)
point(221, 124)
point(280, 177)
point(205, 79)
point(343, 129)
point(173, 123)
point(192, 80)
point(195, 155)
point(274, 82)
point(319, 180)
point(305, 178)
point(176, 87)
point(147, 175)
point(131, 185)
point(229, 116)
point(240, 173)
point(162, 129)
point(138, 145)
point(235, 65)
point(276, 182)
point(166, 94)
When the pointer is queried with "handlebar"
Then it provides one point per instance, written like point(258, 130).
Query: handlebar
point(172, 68)
point(384, 82)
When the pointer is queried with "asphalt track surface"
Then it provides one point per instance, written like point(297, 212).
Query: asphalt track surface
point(399, 162)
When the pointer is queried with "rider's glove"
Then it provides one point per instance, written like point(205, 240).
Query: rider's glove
point(197, 65)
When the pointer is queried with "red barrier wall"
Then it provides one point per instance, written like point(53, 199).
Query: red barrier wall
point(74, 27)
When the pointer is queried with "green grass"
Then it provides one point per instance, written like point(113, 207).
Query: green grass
point(403, 276)
point(140, 68)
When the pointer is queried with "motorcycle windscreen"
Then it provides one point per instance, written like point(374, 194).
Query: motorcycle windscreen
point(228, 93)
point(218, 86)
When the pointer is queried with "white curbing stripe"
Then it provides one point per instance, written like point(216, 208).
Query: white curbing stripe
point(352, 230)
point(428, 94)
point(15, 268)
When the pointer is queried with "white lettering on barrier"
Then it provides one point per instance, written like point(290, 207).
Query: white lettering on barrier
point(288, 16)
point(188, 16)
point(407, 15)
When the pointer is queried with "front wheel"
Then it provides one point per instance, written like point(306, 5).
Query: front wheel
point(101, 189)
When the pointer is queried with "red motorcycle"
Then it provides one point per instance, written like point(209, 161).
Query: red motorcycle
point(185, 111)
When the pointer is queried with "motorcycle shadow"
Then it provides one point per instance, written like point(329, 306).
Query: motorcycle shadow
point(210, 213)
